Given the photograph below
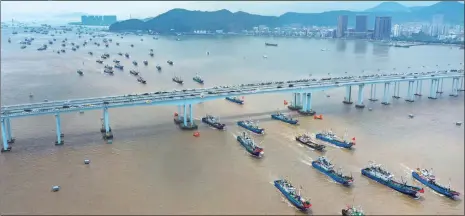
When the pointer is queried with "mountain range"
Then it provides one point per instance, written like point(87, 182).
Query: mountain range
point(181, 20)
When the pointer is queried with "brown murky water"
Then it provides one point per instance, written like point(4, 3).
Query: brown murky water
point(153, 168)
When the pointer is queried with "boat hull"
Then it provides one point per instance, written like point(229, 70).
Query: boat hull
point(438, 189)
point(407, 191)
point(218, 126)
point(312, 145)
point(334, 142)
point(333, 176)
point(248, 148)
point(198, 81)
point(280, 118)
point(235, 100)
point(291, 199)
point(253, 129)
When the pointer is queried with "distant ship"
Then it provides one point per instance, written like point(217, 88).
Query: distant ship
point(284, 118)
point(251, 126)
point(250, 145)
point(329, 136)
point(271, 44)
point(325, 166)
point(214, 122)
point(427, 178)
point(292, 195)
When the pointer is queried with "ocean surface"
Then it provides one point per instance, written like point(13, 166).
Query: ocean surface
point(154, 168)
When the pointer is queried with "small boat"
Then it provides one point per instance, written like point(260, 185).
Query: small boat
point(198, 79)
point(121, 67)
point(151, 54)
point(127, 55)
point(99, 61)
point(9, 40)
point(141, 80)
point(170, 62)
point(325, 166)
point(284, 118)
point(235, 100)
point(63, 51)
point(382, 176)
point(133, 72)
point(108, 71)
point(23, 47)
point(80, 72)
point(132, 45)
point(158, 67)
point(116, 61)
point(271, 44)
point(250, 145)
point(121, 54)
point(290, 193)
point(91, 53)
point(177, 79)
point(352, 211)
point(146, 62)
point(427, 178)
point(108, 67)
point(310, 142)
point(330, 137)
point(117, 44)
point(251, 126)
point(214, 122)
point(134, 63)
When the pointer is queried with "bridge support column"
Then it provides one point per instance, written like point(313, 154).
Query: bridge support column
point(10, 138)
point(386, 94)
point(188, 119)
point(307, 105)
point(432, 94)
point(360, 97)
point(295, 103)
point(396, 90)
point(191, 115)
point(59, 141)
point(373, 93)
point(455, 87)
point(107, 134)
point(179, 113)
point(348, 97)
point(440, 85)
point(6, 147)
point(410, 92)
point(461, 87)
point(418, 89)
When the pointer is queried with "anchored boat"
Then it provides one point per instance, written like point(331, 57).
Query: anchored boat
point(158, 67)
point(427, 178)
point(271, 44)
point(146, 62)
point(178, 80)
point(325, 166)
point(80, 72)
point(121, 67)
point(108, 71)
point(134, 63)
point(198, 79)
point(310, 142)
point(251, 126)
point(290, 193)
point(141, 80)
point(284, 118)
point(382, 176)
point(235, 100)
point(329, 136)
point(214, 122)
point(133, 72)
point(250, 145)
point(352, 211)
point(98, 60)
point(170, 62)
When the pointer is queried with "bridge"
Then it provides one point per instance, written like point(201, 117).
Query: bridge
point(302, 91)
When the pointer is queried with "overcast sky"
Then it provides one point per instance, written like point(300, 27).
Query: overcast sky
point(123, 9)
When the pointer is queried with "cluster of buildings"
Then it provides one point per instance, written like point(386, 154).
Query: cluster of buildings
point(98, 20)
point(381, 31)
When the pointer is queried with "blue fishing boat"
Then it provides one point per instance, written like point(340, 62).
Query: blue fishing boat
point(121, 67)
point(235, 100)
point(250, 145)
point(214, 122)
point(198, 79)
point(382, 176)
point(310, 142)
point(284, 118)
point(329, 136)
point(251, 126)
point(352, 211)
point(325, 166)
point(427, 178)
point(290, 193)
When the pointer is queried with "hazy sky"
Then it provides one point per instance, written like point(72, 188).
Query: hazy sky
point(143, 9)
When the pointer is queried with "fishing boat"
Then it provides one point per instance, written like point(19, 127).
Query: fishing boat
point(290, 193)
point(108, 67)
point(91, 53)
point(382, 176)
point(169, 62)
point(134, 63)
point(158, 67)
point(178, 80)
point(427, 178)
point(288, 119)
point(133, 72)
point(80, 72)
point(329, 136)
point(214, 122)
point(251, 126)
point(151, 54)
point(249, 145)
point(23, 47)
point(116, 61)
point(352, 211)
point(127, 55)
point(146, 62)
point(198, 79)
point(310, 142)
point(98, 61)
point(325, 166)
point(108, 71)
point(141, 80)
point(121, 67)
point(235, 100)
point(271, 44)
point(120, 53)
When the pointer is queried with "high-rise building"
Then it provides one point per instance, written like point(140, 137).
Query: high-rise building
point(437, 25)
point(98, 20)
point(382, 29)
point(396, 30)
point(361, 22)
point(342, 22)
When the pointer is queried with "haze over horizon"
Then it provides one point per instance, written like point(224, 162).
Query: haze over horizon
point(35, 10)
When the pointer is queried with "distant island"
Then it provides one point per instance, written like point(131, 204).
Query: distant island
point(181, 20)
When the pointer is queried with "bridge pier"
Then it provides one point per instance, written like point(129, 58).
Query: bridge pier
point(396, 94)
point(455, 86)
point(432, 94)
point(461, 88)
point(307, 106)
point(60, 136)
point(409, 92)
point(188, 118)
point(348, 97)
point(440, 85)
point(107, 134)
point(295, 104)
point(373, 93)
point(386, 94)
point(418, 89)
point(6, 147)
point(360, 97)
point(10, 138)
